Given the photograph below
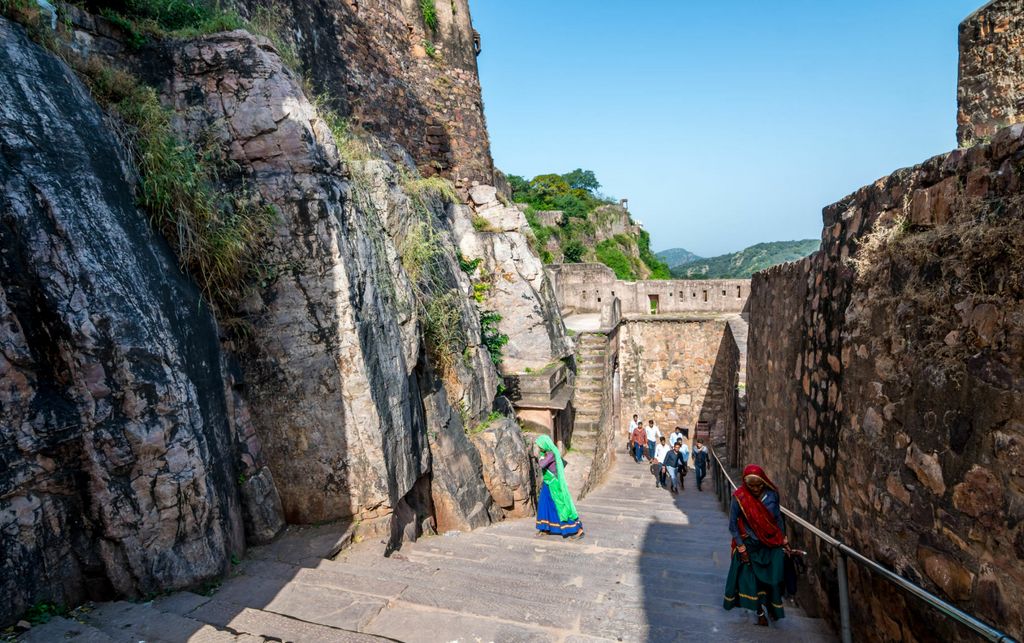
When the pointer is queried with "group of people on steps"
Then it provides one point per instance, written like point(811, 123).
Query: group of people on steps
point(758, 545)
point(669, 460)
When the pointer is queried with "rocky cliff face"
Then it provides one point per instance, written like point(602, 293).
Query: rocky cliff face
point(385, 67)
point(146, 448)
point(518, 289)
point(118, 461)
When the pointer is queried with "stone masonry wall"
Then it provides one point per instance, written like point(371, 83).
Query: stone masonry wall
point(385, 69)
point(585, 287)
point(990, 92)
point(678, 372)
point(886, 388)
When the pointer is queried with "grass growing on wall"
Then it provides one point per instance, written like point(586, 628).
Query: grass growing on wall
point(422, 252)
point(219, 237)
point(429, 11)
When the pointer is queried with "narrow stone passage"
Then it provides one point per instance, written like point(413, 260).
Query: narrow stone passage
point(649, 569)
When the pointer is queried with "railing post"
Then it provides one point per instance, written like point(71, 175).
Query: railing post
point(844, 599)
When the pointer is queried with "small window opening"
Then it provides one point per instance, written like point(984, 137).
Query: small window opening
point(738, 292)
point(705, 295)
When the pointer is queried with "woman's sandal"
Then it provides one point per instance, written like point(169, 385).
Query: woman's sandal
point(761, 618)
point(577, 536)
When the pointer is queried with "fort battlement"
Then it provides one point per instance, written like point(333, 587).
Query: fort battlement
point(591, 287)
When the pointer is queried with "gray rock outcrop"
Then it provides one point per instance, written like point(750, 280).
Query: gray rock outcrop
point(508, 467)
point(116, 455)
point(520, 289)
point(333, 377)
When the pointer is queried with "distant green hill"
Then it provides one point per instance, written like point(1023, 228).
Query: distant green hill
point(677, 256)
point(743, 264)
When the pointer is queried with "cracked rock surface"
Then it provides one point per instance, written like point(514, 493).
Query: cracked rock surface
point(116, 463)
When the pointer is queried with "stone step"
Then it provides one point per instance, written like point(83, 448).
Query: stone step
point(144, 622)
point(62, 629)
point(651, 567)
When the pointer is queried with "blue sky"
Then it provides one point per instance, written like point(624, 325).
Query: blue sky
point(724, 123)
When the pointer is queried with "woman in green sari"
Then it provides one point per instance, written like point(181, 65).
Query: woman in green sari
point(556, 514)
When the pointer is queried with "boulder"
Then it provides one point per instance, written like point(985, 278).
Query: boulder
point(483, 195)
point(460, 499)
point(507, 467)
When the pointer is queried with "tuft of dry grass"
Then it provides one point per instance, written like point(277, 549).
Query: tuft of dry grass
point(218, 236)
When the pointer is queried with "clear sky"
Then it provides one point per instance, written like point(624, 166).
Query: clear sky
point(724, 123)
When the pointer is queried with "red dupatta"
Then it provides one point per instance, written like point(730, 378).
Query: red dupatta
point(756, 516)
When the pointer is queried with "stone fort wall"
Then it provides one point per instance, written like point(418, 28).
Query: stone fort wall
point(885, 388)
point(679, 372)
point(589, 287)
point(990, 92)
point(388, 72)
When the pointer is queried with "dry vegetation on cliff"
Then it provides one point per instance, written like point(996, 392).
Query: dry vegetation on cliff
point(948, 284)
point(217, 235)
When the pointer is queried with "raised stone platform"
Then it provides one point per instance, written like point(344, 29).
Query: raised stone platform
point(651, 568)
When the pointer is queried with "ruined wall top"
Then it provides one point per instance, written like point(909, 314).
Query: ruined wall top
point(990, 91)
point(590, 287)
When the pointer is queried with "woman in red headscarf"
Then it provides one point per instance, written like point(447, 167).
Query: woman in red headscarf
point(758, 547)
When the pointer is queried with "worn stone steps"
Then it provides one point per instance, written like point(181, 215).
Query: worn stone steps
point(650, 568)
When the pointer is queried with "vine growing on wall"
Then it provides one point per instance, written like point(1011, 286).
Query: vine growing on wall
point(492, 336)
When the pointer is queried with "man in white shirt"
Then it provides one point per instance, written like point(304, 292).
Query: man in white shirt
point(635, 422)
point(676, 436)
point(660, 452)
point(653, 433)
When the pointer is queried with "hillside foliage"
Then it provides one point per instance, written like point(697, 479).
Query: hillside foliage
point(743, 264)
point(578, 237)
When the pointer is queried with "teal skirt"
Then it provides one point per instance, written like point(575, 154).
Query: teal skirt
point(759, 583)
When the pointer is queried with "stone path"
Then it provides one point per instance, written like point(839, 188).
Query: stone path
point(650, 569)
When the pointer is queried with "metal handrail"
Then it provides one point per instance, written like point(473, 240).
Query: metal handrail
point(987, 631)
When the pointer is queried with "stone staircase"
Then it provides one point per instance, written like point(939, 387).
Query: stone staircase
point(591, 381)
point(651, 568)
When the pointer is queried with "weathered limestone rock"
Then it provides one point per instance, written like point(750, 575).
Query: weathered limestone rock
point(520, 290)
point(507, 467)
point(927, 469)
point(117, 457)
point(461, 501)
point(947, 573)
point(335, 377)
point(331, 378)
